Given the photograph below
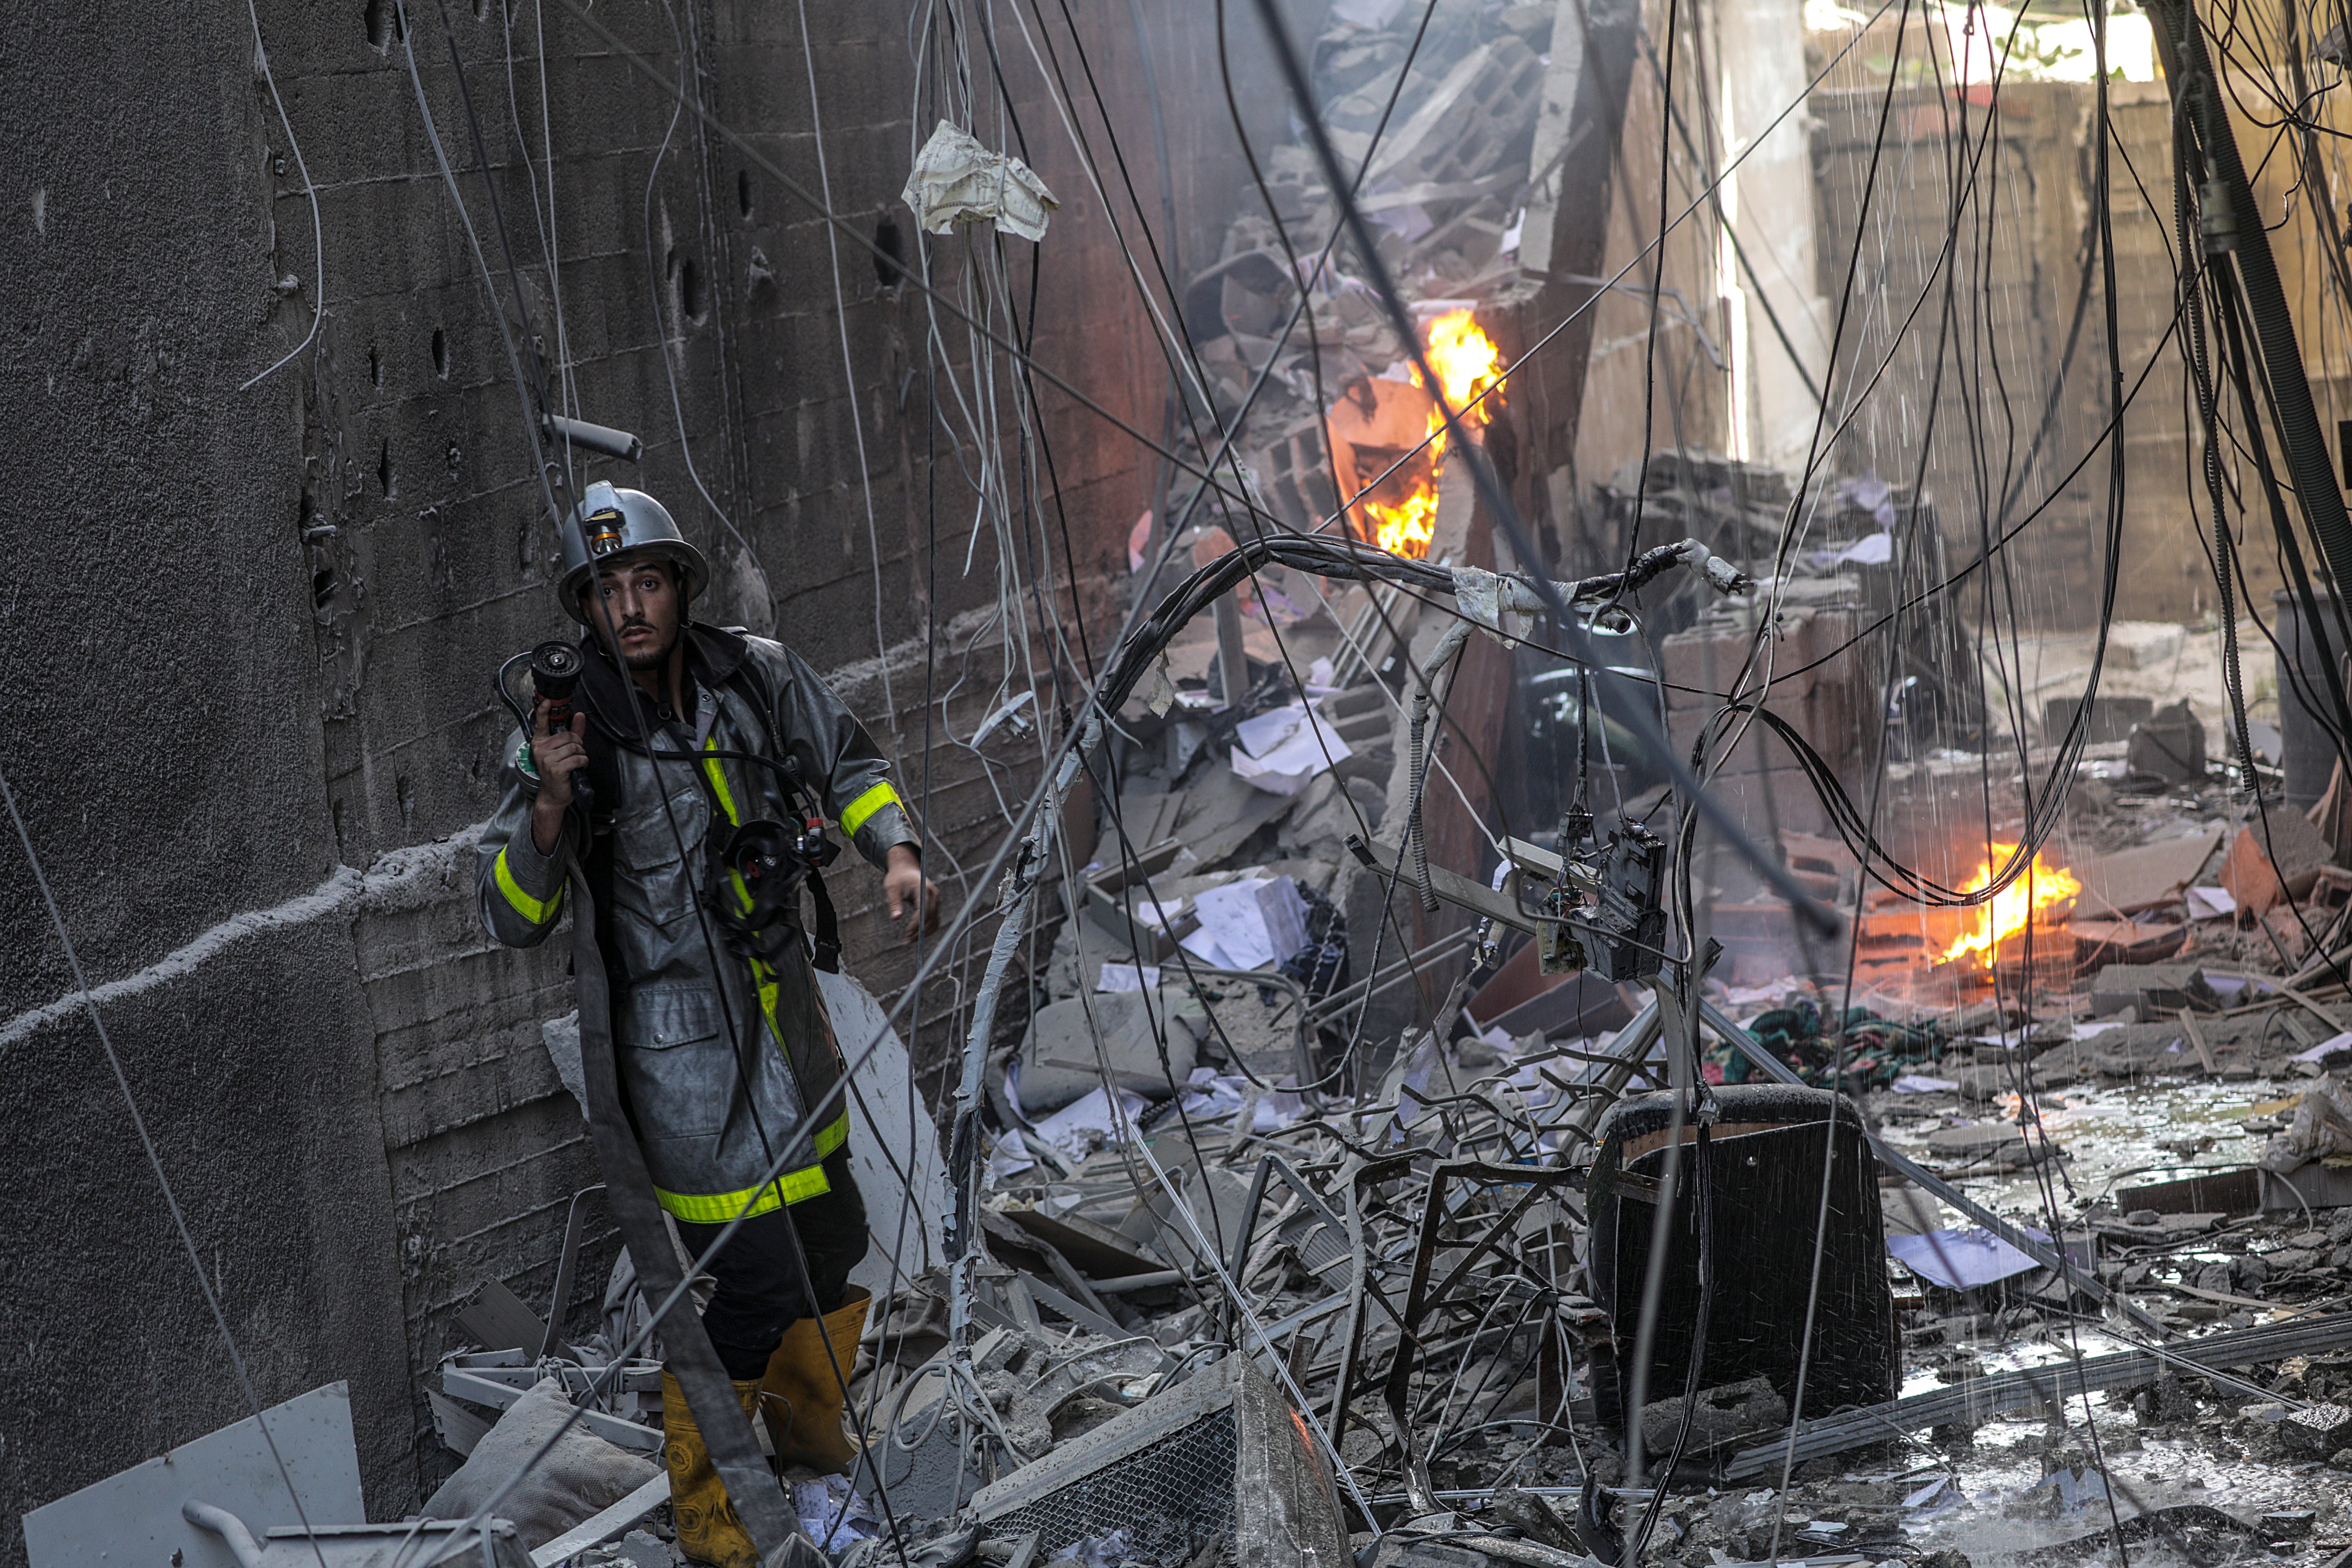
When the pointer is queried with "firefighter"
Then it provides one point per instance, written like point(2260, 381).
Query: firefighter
point(721, 1043)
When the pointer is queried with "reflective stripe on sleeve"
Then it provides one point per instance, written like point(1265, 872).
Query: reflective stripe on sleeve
point(866, 805)
point(792, 1187)
point(538, 911)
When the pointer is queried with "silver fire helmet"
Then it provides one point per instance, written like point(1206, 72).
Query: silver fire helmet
point(610, 524)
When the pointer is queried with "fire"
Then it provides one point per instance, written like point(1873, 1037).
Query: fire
point(1466, 362)
point(2044, 888)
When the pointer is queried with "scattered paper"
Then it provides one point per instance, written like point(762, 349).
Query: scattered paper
point(1211, 1096)
point(1088, 1123)
point(2210, 903)
point(1915, 1083)
point(1870, 550)
point(1128, 977)
point(1202, 946)
point(1960, 1259)
point(1282, 750)
point(956, 180)
point(1254, 923)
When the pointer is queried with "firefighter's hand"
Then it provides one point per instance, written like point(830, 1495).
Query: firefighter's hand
point(911, 896)
point(557, 754)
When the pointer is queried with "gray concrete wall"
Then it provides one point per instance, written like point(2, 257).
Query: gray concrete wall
point(246, 633)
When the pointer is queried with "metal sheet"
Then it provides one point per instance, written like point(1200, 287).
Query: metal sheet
point(133, 1518)
point(893, 1143)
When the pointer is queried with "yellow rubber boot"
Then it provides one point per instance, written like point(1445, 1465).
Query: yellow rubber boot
point(708, 1529)
point(805, 1396)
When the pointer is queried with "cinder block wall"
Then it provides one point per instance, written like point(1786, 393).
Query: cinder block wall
point(249, 629)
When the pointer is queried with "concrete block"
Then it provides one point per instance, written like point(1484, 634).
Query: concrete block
point(2170, 745)
point(1058, 1060)
point(2152, 988)
point(2144, 645)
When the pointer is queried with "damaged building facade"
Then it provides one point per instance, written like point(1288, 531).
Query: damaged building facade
point(1551, 655)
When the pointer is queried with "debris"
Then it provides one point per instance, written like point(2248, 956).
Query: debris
point(579, 1477)
point(2149, 989)
point(2276, 857)
point(2170, 743)
point(1140, 1039)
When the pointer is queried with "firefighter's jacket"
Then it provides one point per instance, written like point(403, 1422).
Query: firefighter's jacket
point(720, 1056)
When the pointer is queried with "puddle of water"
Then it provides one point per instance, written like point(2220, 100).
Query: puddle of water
point(2110, 1137)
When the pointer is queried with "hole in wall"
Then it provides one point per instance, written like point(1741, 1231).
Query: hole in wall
point(440, 353)
point(686, 278)
point(381, 17)
point(743, 192)
point(890, 267)
point(322, 588)
point(375, 367)
point(385, 478)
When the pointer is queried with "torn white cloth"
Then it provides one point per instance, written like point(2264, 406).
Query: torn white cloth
point(1128, 977)
point(956, 180)
point(1917, 1083)
point(1281, 750)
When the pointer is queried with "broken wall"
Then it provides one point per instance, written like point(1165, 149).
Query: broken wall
point(253, 616)
point(2026, 347)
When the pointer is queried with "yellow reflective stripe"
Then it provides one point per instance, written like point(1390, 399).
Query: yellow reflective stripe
point(828, 1139)
point(718, 782)
point(538, 911)
point(866, 805)
point(792, 1187)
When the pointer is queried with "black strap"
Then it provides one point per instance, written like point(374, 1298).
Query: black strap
point(726, 1430)
point(602, 735)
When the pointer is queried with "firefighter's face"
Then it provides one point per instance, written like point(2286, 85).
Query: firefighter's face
point(638, 606)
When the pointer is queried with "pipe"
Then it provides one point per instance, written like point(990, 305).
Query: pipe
point(225, 1525)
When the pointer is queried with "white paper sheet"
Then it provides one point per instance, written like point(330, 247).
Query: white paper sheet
point(1254, 923)
point(1086, 1124)
point(2210, 903)
point(1960, 1259)
point(1280, 751)
point(1128, 977)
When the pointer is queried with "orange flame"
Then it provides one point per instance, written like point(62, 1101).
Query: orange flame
point(1466, 362)
point(2044, 890)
